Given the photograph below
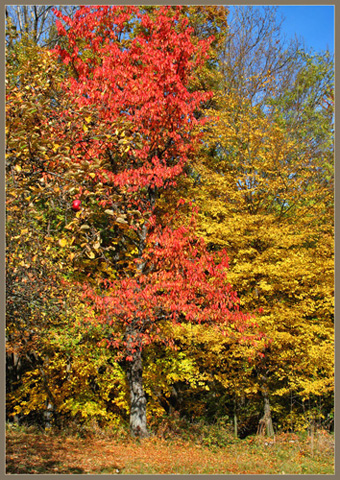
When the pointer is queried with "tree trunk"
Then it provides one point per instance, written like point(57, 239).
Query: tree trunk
point(134, 370)
point(266, 424)
point(235, 426)
point(138, 426)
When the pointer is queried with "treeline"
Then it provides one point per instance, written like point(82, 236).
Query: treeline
point(183, 135)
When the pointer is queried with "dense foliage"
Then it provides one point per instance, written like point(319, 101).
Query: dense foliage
point(196, 177)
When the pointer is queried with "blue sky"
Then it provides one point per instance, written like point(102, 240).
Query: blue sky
point(313, 23)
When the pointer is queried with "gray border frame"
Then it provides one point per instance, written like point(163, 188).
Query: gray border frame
point(3, 213)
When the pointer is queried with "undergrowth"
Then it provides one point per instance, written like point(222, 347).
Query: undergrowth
point(174, 447)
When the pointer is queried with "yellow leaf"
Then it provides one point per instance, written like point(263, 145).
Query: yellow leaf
point(63, 242)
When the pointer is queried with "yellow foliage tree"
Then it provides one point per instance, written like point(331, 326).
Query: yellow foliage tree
point(266, 195)
point(54, 371)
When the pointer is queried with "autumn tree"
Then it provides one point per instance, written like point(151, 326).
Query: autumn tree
point(130, 132)
point(265, 193)
point(36, 300)
point(54, 370)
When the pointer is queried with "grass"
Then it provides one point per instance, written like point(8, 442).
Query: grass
point(30, 451)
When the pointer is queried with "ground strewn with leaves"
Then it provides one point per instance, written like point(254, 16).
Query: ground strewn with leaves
point(30, 451)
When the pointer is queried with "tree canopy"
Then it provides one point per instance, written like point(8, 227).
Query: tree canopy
point(169, 218)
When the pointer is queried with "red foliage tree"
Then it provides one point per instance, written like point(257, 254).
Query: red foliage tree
point(133, 75)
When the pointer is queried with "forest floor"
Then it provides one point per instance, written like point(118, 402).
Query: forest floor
point(30, 451)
